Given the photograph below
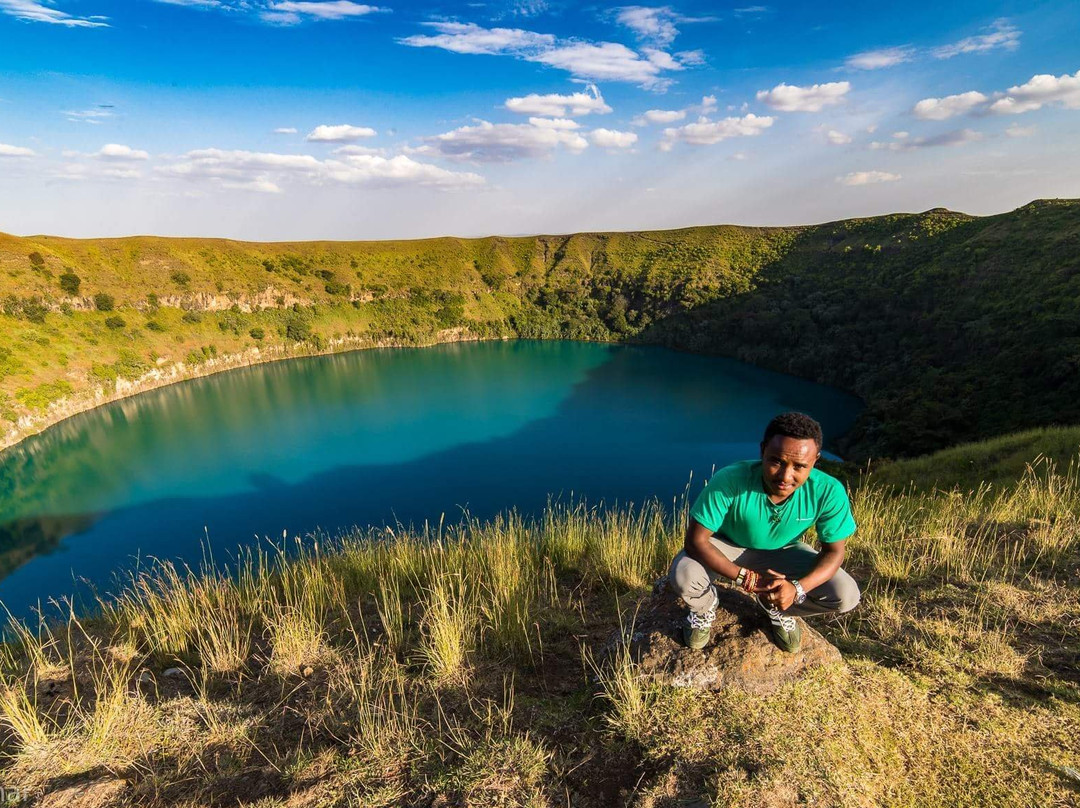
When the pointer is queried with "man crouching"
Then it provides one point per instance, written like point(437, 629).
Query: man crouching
point(747, 525)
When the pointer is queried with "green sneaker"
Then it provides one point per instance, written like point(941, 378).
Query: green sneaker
point(697, 629)
point(785, 630)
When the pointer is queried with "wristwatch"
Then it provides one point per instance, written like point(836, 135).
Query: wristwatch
point(800, 593)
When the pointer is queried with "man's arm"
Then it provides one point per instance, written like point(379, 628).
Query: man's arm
point(699, 548)
point(828, 562)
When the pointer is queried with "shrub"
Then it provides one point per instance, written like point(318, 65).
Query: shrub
point(114, 322)
point(297, 329)
point(257, 333)
point(154, 325)
point(36, 259)
point(192, 317)
point(104, 302)
point(38, 398)
point(70, 283)
point(180, 278)
point(153, 302)
point(34, 311)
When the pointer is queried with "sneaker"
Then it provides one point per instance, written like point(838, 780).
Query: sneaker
point(697, 628)
point(784, 629)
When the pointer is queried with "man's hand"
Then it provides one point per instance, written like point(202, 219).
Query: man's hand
point(776, 591)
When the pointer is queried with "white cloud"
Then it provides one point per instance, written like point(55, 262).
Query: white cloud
point(85, 171)
point(16, 151)
point(653, 24)
point(119, 152)
point(608, 61)
point(265, 171)
point(501, 143)
point(352, 149)
point(595, 61)
point(285, 130)
point(93, 116)
point(790, 98)
point(612, 139)
point(32, 11)
point(341, 133)
point(565, 124)
point(1040, 90)
point(291, 13)
point(657, 116)
point(837, 138)
point(705, 132)
point(1002, 34)
point(903, 142)
point(940, 109)
point(554, 105)
point(1016, 130)
point(468, 37)
point(883, 57)
point(867, 177)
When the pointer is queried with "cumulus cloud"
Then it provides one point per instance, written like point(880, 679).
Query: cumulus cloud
point(266, 171)
point(555, 123)
point(867, 177)
point(7, 150)
point(940, 109)
point(468, 37)
point(285, 130)
point(340, 133)
point(790, 98)
point(836, 137)
point(504, 142)
point(1001, 34)
point(291, 13)
point(903, 142)
point(553, 105)
point(119, 152)
point(1016, 130)
point(31, 11)
point(595, 61)
point(705, 132)
point(1040, 90)
point(612, 139)
point(658, 116)
point(877, 59)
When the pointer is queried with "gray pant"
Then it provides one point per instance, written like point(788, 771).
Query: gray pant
point(692, 581)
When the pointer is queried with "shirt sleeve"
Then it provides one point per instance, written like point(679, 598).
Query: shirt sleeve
point(835, 522)
point(713, 503)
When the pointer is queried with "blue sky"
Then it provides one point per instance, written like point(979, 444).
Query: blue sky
point(299, 119)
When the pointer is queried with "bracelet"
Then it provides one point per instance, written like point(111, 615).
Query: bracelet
point(741, 576)
point(750, 582)
point(800, 593)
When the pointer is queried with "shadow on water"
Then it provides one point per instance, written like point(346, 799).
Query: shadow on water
point(628, 430)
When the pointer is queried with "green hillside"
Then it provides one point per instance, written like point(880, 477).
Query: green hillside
point(950, 327)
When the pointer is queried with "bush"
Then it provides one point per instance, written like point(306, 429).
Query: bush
point(114, 322)
point(34, 311)
point(104, 302)
point(297, 329)
point(192, 317)
point(70, 283)
point(257, 333)
point(36, 259)
point(154, 325)
point(181, 278)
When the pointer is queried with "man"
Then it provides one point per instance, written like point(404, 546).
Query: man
point(747, 525)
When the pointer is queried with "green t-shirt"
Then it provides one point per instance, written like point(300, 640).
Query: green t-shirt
point(735, 504)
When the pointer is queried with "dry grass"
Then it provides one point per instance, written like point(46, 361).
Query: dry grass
point(446, 667)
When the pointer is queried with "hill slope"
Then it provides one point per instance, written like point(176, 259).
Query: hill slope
point(950, 327)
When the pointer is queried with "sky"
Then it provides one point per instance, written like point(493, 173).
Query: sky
point(278, 120)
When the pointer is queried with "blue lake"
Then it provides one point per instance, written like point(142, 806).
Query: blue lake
point(374, 437)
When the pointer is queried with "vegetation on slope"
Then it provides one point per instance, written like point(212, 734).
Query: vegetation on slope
point(950, 327)
point(455, 667)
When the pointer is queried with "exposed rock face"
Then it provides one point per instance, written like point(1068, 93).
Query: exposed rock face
point(739, 654)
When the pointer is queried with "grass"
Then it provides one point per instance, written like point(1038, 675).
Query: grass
point(455, 665)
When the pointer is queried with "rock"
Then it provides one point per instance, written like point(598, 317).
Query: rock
point(739, 654)
point(173, 673)
point(146, 678)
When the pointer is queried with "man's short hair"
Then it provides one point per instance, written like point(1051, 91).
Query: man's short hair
point(794, 425)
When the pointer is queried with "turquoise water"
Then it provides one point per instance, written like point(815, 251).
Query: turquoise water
point(373, 437)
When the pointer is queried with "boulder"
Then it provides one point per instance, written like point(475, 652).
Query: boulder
point(740, 652)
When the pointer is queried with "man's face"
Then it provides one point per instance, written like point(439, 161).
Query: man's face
point(786, 463)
